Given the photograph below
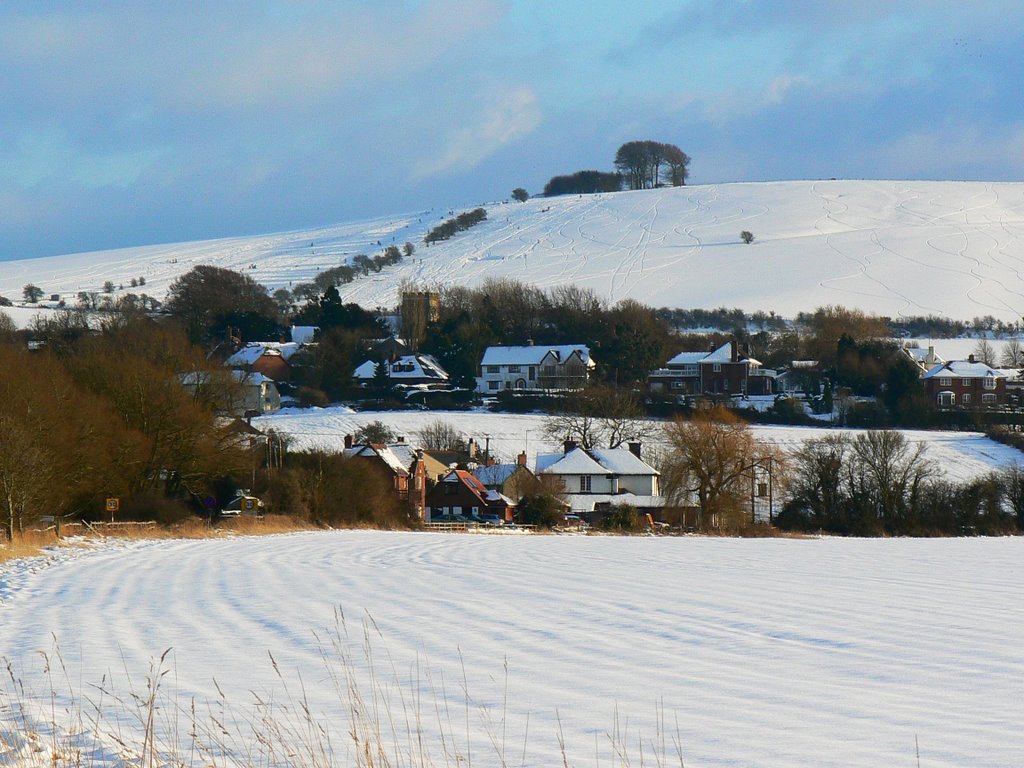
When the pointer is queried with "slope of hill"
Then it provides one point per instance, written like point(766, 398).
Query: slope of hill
point(892, 247)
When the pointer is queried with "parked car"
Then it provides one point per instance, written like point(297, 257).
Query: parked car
point(491, 520)
point(449, 518)
point(243, 505)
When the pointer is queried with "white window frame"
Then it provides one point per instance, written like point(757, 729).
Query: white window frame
point(585, 483)
point(988, 398)
point(945, 381)
point(989, 382)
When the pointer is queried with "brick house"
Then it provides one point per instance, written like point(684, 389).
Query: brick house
point(459, 493)
point(721, 372)
point(401, 463)
point(964, 384)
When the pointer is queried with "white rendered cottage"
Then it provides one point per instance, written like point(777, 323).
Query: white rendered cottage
point(603, 476)
point(564, 367)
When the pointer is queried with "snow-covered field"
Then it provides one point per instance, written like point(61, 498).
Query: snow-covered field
point(960, 455)
point(891, 247)
point(825, 652)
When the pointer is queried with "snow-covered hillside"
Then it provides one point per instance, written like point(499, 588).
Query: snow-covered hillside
point(892, 247)
point(782, 653)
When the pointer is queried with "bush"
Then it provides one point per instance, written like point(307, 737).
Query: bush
point(621, 517)
point(542, 510)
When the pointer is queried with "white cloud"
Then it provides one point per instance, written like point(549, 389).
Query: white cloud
point(953, 151)
point(504, 116)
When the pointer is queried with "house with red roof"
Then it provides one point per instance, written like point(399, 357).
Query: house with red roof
point(460, 493)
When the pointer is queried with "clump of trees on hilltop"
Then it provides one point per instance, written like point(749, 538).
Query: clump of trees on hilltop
point(638, 165)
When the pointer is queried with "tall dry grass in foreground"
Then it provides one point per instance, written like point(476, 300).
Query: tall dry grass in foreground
point(378, 718)
point(32, 542)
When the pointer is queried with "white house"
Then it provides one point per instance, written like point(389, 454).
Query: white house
point(565, 367)
point(603, 476)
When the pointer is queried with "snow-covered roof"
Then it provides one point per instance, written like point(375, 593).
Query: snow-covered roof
point(721, 355)
point(585, 502)
point(406, 367)
point(921, 355)
point(622, 461)
point(575, 462)
point(596, 461)
point(532, 355)
point(242, 377)
point(386, 454)
point(254, 350)
point(962, 369)
point(496, 474)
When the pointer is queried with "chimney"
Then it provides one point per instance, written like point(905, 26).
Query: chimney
point(471, 448)
point(529, 342)
point(400, 439)
point(348, 441)
point(634, 447)
point(521, 459)
point(568, 445)
point(970, 358)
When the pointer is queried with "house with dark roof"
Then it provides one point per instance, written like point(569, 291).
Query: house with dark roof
point(398, 461)
point(721, 372)
point(552, 368)
point(406, 369)
point(459, 493)
point(508, 479)
point(965, 384)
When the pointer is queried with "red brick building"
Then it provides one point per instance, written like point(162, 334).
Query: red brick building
point(964, 384)
point(721, 372)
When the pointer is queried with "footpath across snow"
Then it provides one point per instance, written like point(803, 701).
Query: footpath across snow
point(781, 652)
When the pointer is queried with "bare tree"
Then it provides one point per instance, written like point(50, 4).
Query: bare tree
point(710, 459)
point(891, 471)
point(600, 417)
point(442, 436)
point(984, 352)
point(1013, 354)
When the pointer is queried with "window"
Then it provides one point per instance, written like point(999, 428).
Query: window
point(967, 382)
point(945, 381)
point(533, 373)
point(492, 385)
point(690, 369)
point(988, 398)
point(492, 369)
point(947, 399)
point(584, 483)
point(717, 368)
point(966, 399)
point(989, 382)
point(513, 369)
point(677, 384)
point(449, 489)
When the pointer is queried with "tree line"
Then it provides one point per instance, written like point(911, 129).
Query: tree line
point(638, 165)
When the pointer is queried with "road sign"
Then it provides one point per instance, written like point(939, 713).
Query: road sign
point(113, 504)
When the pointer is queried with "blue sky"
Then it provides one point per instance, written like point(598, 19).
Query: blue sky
point(143, 122)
